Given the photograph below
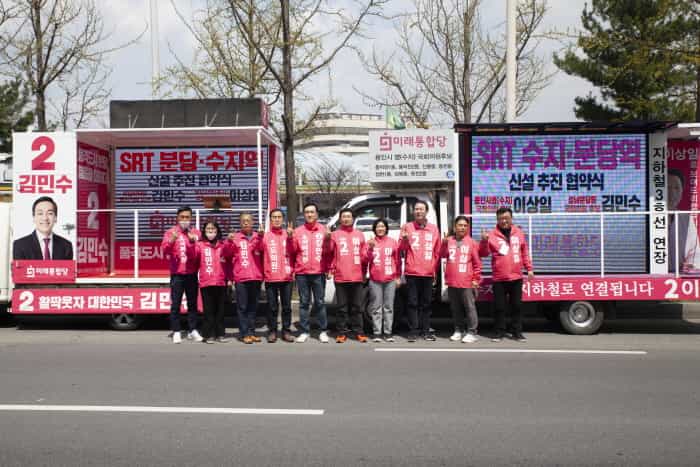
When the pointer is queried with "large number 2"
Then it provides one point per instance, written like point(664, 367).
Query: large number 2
point(93, 202)
point(26, 301)
point(47, 148)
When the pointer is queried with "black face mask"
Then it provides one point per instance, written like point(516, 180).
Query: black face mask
point(505, 232)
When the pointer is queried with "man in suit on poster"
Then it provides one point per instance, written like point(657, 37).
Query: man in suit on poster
point(42, 243)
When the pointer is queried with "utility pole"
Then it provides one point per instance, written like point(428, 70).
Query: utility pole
point(155, 49)
point(511, 65)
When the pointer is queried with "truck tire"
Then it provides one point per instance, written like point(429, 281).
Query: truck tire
point(581, 318)
point(125, 321)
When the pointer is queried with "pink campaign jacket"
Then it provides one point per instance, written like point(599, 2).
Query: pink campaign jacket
point(508, 259)
point(384, 260)
point(308, 249)
point(463, 264)
point(422, 249)
point(212, 262)
point(181, 254)
point(247, 258)
point(278, 252)
point(348, 255)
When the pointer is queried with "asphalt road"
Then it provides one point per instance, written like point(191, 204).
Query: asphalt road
point(379, 408)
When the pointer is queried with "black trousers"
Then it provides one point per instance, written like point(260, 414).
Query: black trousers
point(349, 295)
point(283, 290)
point(214, 301)
point(188, 285)
point(419, 307)
point(508, 293)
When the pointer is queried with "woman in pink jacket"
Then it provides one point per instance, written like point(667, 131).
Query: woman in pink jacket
point(213, 254)
point(384, 276)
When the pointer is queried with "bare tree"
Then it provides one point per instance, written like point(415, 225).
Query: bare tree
point(448, 69)
point(306, 28)
point(332, 179)
point(221, 66)
point(57, 45)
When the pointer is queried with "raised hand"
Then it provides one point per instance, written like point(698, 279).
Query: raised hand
point(484, 234)
point(371, 243)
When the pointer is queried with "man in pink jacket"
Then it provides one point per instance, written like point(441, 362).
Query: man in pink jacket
point(278, 252)
point(310, 269)
point(509, 255)
point(179, 248)
point(462, 275)
point(420, 241)
point(348, 255)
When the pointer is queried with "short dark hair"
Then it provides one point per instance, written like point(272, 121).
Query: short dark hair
point(420, 201)
point(216, 225)
point(183, 209)
point(677, 173)
point(45, 199)
point(461, 218)
point(381, 220)
point(340, 214)
point(308, 205)
point(503, 210)
point(272, 211)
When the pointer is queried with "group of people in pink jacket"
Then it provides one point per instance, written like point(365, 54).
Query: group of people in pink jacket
point(312, 254)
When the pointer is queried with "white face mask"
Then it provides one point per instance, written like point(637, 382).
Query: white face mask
point(184, 225)
point(211, 236)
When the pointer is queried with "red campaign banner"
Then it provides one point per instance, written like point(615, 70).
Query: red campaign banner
point(77, 301)
point(662, 288)
point(151, 259)
point(43, 271)
point(683, 195)
point(94, 228)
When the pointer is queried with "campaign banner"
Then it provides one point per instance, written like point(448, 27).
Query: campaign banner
point(93, 301)
point(44, 196)
point(43, 271)
point(556, 289)
point(412, 155)
point(683, 195)
point(94, 227)
point(556, 175)
point(157, 181)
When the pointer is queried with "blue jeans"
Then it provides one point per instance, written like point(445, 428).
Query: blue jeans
point(186, 284)
point(247, 299)
point(308, 284)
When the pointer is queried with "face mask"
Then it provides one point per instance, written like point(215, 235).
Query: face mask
point(211, 236)
point(184, 225)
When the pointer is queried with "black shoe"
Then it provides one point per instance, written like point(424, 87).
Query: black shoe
point(498, 337)
point(518, 336)
point(430, 337)
point(411, 338)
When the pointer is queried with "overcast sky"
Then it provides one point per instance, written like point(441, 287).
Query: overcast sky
point(132, 66)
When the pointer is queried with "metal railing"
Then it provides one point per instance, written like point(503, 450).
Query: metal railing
point(262, 214)
point(602, 215)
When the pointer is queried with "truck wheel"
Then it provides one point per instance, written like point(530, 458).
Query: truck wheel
point(582, 318)
point(125, 321)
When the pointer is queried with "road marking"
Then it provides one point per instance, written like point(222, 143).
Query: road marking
point(146, 409)
point(553, 351)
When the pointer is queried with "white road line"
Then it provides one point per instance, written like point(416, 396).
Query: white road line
point(552, 351)
point(145, 409)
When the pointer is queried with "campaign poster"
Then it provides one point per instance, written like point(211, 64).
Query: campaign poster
point(557, 186)
point(44, 198)
point(94, 221)
point(682, 187)
point(157, 181)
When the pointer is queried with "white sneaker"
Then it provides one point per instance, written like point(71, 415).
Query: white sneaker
point(456, 337)
point(389, 338)
point(377, 339)
point(302, 338)
point(194, 335)
point(323, 337)
point(469, 338)
point(177, 338)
